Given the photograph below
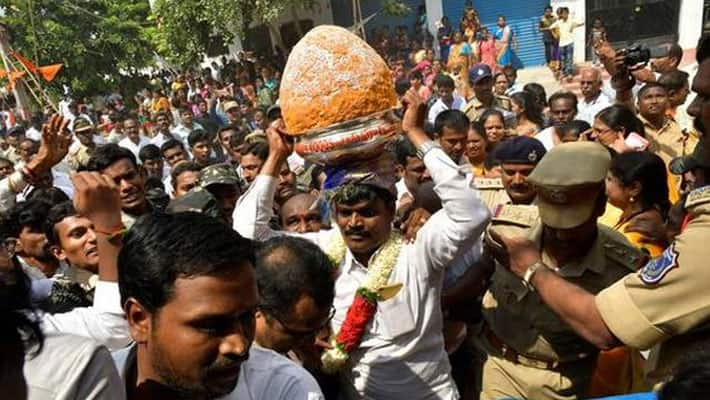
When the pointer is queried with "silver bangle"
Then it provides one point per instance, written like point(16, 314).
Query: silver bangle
point(426, 147)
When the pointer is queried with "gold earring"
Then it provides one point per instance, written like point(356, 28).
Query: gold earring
point(632, 199)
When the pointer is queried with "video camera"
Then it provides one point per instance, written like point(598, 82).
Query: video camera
point(638, 54)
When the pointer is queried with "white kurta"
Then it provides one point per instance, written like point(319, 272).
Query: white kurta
point(402, 352)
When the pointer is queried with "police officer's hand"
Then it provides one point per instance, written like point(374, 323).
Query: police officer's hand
point(522, 252)
point(97, 197)
point(414, 111)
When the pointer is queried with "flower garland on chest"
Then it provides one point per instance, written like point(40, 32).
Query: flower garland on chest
point(364, 305)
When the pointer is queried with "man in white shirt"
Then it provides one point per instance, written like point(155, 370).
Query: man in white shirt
point(162, 128)
point(97, 199)
point(133, 141)
point(190, 296)
point(593, 100)
point(186, 126)
point(447, 99)
point(401, 352)
point(563, 108)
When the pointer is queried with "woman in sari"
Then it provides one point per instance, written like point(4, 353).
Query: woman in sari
point(504, 39)
point(460, 53)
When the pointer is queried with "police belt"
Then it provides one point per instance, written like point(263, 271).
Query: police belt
point(513, 356)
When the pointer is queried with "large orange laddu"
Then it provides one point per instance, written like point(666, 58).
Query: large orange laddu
point(333, 76)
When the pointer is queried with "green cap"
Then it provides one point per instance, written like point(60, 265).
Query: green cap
point(568, 181)
point(196, 200)
point(223, 174)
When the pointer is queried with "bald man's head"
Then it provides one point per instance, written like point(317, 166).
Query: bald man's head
point(591, 83)
point(301, 213)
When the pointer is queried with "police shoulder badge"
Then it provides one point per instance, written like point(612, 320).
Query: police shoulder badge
point(654, 271)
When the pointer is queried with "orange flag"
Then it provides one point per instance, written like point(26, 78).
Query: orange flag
point(48, 72)
point(30, 67)
point(15, 75)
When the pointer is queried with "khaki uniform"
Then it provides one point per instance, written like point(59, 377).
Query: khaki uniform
point(544, 358)
point(667, 304)
point(668, 142)
point(491, 191)
point(474, 108)
point(79, 158)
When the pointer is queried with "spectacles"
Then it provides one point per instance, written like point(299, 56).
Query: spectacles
point(300, 335)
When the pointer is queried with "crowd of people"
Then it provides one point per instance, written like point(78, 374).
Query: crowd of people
point(173, 245)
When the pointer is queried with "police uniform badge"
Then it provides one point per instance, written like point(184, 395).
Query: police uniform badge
point(654, 271)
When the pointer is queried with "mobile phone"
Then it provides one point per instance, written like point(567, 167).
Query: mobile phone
point(636, 141)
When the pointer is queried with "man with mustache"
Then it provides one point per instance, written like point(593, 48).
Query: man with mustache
point(635, 310)
point(518, 157)
point(402, 348)
point(667, 140)
point(120, 165)
point(526, 351)
point(189, 292)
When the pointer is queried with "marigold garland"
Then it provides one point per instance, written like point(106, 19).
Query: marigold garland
point(364, 305)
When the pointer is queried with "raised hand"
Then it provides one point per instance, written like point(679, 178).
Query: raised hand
point(56, 139)
point(97, 197)
point(280, 144)
point(522, 252)
point(415, 111)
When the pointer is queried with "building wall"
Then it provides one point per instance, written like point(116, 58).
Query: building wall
point(321, 14)
point(691, 23)
point(434, 12)
point(343, 14)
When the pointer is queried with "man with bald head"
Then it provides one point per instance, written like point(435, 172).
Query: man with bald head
point(593, 100)
point(300, 213)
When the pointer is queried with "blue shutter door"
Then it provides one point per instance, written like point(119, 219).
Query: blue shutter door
point(522, 15)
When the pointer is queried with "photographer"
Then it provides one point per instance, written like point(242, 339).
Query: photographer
point(636, 64)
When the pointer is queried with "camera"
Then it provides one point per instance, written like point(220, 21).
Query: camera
point(637, 54)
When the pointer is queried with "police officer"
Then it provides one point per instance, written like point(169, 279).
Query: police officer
point(480, 78)
point(666, 306)
point(222, 182)
point(79, 155)
point(529, 351)
point(517, 158)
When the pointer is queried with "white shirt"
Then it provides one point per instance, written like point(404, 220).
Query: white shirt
point(161, 138)
point(71, 367)
point(402, 190)
point(546, 136)
point(439, 106)
point(34, 134)
point(517, 87)
point(134, 148)
point(182, 132)
point(265, 375)
point(587, 110)
point(103, 322)
point(402, 351)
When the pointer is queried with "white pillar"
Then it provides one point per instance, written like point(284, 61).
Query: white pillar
point(434, 13)
point(690, 23)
